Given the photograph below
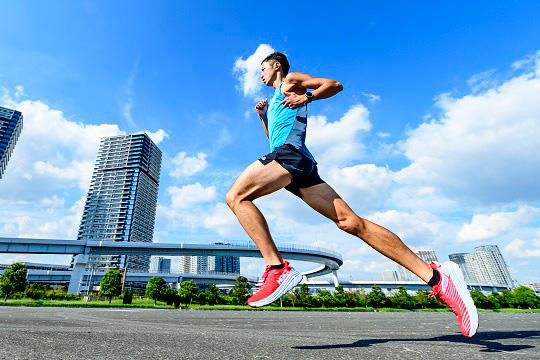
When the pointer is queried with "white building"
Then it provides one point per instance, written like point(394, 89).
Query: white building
point(122, 199)
point(426, 255)
point(208, 264)
point(486, 266)
point(160, 264)
point(390, 275)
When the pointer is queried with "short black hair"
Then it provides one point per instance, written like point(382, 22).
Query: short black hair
point(279, 57)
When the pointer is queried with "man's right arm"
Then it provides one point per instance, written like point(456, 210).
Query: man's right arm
point(261, 109)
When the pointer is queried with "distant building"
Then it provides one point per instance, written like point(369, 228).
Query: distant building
point(208, 264)
point(160, 265)
point(11, 124)
point(486, 266)
point(122, 199)
point(427, 255)
point(460, 260)
point(390, 275)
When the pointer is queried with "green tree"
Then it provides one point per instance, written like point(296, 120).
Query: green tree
point(325, 298)
point(212, 295)
point(304, 296)
point(495, 300)
point(240, 291)
point(293, 295)
point(525, 298)
point(402, 299)
point(111, 285)
point(376, 297)
point(341, 298)
point(480, 300)
point(36, 291)
point(156, 288)
point(422, 298)
point(13, 280)
point(507, 299)
point(128, 297)
point(188, 292)
point(361, 297)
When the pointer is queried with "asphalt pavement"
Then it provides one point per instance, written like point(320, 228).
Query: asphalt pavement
point(81, 333)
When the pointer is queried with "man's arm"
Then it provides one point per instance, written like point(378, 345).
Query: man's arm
point(261, 108)
point(324, 88)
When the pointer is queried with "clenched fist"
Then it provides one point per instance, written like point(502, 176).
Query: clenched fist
point(262, 107)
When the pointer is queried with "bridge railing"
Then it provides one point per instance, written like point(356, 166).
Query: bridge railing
point(280, 246)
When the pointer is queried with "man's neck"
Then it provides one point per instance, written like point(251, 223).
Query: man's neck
point(279, 79)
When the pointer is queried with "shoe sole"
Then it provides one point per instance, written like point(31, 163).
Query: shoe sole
point(290, 282)
point(456, 275)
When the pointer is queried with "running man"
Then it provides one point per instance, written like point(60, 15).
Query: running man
point(290, 165)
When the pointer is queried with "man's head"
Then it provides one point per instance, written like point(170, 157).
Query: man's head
point(271, 65)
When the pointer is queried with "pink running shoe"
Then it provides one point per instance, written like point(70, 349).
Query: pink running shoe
point(452, 290)
point(276, 283)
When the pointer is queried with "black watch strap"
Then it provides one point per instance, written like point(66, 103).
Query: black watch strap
point(309, 96)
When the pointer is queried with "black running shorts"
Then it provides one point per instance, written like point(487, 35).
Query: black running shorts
point(303, 169)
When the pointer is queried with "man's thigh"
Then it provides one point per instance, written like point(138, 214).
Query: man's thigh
point(326, 201)
point(258, 180)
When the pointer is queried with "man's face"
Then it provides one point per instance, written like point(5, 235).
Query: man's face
point(268, 72)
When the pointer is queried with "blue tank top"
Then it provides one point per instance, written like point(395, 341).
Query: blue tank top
point(286, 125)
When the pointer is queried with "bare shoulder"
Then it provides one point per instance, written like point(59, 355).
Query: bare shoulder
point(296, 78)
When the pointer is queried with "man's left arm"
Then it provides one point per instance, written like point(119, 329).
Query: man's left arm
point(324, 88)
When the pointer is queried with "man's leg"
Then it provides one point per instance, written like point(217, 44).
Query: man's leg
point(256, 181)
point(327, 202)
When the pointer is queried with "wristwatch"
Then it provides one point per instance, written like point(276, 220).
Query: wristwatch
point(309, 97)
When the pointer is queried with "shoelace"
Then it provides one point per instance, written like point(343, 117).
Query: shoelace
point(265, 275)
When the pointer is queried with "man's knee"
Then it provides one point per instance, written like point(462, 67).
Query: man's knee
point(233, 198)
point(353, 224)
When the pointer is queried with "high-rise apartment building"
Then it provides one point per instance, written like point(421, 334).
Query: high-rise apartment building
point(390, 275)
point(11, 123)
point(485, 266)
point(193, 264)
point(122, 199)
point(427, 255)
point(460, 260)
point(227, 264)
point(208, 264)
point(160, 264)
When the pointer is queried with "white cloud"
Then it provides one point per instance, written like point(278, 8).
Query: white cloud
point(19, 91)
point(53, 201)
point(364, 186)
point(482, 81)
point(484, 227)
point(189, 195)
point(248, 72)
point(223, 220)
point(521, 249)
point(372, 98)
point(187, 166)
point(485, 146)
point(52, 152)
point(417, 229)
point(338, 142)
point(157, 136)
point(65, 227)
point(128, 103)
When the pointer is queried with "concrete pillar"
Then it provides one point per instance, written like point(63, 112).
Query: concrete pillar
point(77, 273)
point(336, 280)
point(304, 279)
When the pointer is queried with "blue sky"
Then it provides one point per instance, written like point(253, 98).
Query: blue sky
point(433, 136)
